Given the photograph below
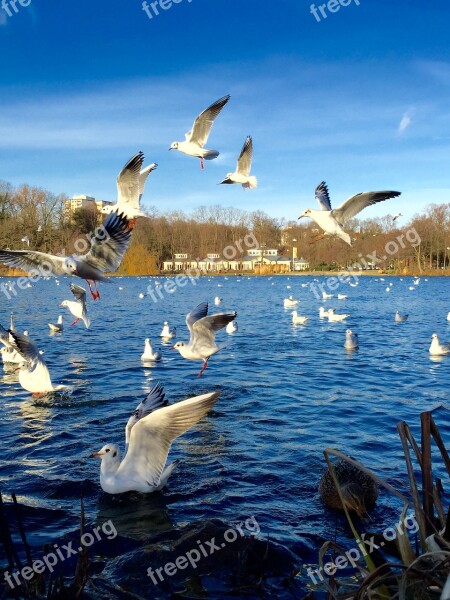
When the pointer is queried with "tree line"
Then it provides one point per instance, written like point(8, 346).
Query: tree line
point(36, 218)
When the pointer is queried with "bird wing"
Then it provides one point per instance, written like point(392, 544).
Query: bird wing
point(200, 311)
point(356, 204)
point(204, 330)
point(109, 243)
point(155, 399)
point(31, 261)
point(4, 337)
point(244, 163)
point(323, 196)
point(143, 178)
point(79, 292)
point(25, 346)
point(152, 436)
point(128, 182)
point(203, 123)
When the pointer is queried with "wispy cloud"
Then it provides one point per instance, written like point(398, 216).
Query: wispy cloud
point(405, 122)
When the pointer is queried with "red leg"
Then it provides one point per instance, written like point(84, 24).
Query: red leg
point(131, 224)
point(75, 322)
point(202, 164)
point(205, 364)
point(95, 294)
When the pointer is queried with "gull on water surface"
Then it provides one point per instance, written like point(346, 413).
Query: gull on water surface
point(150, 354)
point(438, 349)
point(149, 434)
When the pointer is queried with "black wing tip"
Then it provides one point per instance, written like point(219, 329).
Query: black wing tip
point(322, 187)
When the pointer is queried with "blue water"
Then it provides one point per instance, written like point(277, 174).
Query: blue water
point(287, 393)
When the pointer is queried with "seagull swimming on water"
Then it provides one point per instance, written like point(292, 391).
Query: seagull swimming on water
point(197, 137)
point(400, 318)
point(130, 188)
point(149, 434)
point(333, 221)
point(108, 246)
point(203, 329)
point(57, 327)
point(438, 349)
point(244, 165)
point(149, 354)
point(351, 340)
point(78, 306)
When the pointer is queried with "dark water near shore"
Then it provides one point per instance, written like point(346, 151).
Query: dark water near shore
point(287, 393)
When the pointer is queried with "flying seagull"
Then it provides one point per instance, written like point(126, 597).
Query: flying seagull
point(78, 306)
point(108, 246)
point(149, 434)
point(130, 188)
point(244, 165)
point(333, 221)
point(203, 330)
point(197, 137)
point(395, 217)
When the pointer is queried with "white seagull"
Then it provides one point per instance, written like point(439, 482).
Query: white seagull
point(149, 354)
point(438, 349)
point(78, 306)
point(448, 316)
point(34, 375)
point(217, 300)
point(244, 165)
point(323, 314)
point(400, 318)
point(57, 327)
point(395, 217)
point(335, 318)
point(203, 330)
point(351, 340)
point(130, 188)
point(333, 221)
point(149, 434)
point(290, 302)
point(231, 327)
point(342, 297)
point(108, 246)
point(297, 319)
point(167, 332)
point(197, 137)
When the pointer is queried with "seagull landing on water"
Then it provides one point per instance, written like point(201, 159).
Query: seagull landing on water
point(78, 306)
point(149, 434)
point(244, 165)
point(333, 221)
point(130, 188)
point(438, 349)
point(197, 137)
point(34, 375)
point(108, 247)
point(203, 329)
point(57, 327)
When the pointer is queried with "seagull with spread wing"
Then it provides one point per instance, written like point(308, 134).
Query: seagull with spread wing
point(244, 165)
point(34, 375)
point(108, 247)
point(203, 329)
point(130, 188)
point(78, 306)
point(197, 137)
point(331, 220)
point(149, 434)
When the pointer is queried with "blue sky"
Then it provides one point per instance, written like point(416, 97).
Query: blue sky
point(360, 99)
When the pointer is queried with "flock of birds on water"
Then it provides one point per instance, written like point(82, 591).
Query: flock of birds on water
point(154, 424)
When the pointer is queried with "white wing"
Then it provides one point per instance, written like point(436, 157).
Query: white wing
point(204, 330)
point(128, 182)
point(244, 163)
point(154, 400)
point(143, 178)
point(203, 123)
point(152, 436)
point(197, 313)
point(356, 204)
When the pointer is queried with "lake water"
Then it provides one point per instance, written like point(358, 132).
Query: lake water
point(287, 393)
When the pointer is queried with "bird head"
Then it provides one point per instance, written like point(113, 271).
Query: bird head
point(306, 213)
point(106, 210)
point(177, 346)
point(70, 265)
point(174, 146)
point(64, 303)
point(109, 454)
point(354, 498)
point(228, 178)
